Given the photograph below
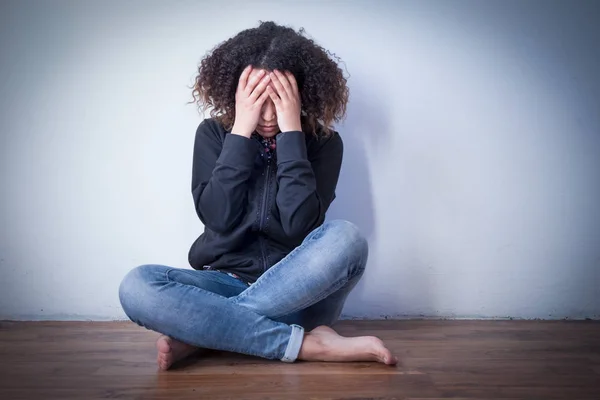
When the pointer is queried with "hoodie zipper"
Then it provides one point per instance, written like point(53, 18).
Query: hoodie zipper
point(263, 216)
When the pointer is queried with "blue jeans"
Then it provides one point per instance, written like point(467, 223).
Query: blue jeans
point(214, 310)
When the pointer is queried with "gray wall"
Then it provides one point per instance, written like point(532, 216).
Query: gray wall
point(472, 149)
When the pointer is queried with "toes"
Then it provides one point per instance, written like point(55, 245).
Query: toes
point(164, 360)
point(389, 360)
point(164, 363)
point(382, 353)
point(160, 362)
point(163, 345)
point(392, 360)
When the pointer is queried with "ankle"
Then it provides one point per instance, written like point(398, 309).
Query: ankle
point(312, 346)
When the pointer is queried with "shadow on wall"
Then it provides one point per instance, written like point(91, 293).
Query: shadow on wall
point(367, 124)
point(366, 133)
point(354, 197)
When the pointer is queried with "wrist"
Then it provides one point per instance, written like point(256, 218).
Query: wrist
point(236, 130)
point(293, 127)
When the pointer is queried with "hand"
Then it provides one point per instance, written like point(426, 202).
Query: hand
point(249, 98)
point(286, 99)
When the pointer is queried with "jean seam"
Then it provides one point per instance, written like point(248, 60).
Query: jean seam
point(256, 285)
point(169, 280)
point(236, 349)
point(332, 289)
point(355, 269)
point(359, 269)
point(192, 273)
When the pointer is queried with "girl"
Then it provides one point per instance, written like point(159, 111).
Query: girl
point(269, 276)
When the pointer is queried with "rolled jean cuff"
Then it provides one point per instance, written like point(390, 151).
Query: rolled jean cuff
point(294, 344)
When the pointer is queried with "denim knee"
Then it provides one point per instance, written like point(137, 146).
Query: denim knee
point(135, 289)
point(349, 241)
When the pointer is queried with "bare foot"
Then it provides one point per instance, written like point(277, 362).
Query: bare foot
point(324, 344)
point(171, 351)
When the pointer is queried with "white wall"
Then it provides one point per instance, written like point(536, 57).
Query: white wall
point(473, 134)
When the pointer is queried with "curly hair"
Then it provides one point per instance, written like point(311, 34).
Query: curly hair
point(321, 82)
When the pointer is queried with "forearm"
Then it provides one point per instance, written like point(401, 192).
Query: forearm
point(220, 201)
point(297, 197)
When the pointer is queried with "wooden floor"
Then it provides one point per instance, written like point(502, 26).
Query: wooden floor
point(438, 359)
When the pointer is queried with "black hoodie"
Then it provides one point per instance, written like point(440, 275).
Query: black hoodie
point(255, 211)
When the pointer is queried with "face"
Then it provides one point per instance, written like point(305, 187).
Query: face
point(267, 123)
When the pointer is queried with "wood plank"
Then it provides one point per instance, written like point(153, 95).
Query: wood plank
point(438, 359)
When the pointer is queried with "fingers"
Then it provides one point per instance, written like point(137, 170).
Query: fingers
point(256, 85)
point(271, 92)
point(253, 81)
point(284, 81)
point(263, 97)
point(260, 88)
point(287, 83)
point(292, 81)
point(244, 77)
point(277, 82)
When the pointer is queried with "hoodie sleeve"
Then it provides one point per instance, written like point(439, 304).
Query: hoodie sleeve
point(306, 187)
point(220, 174)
